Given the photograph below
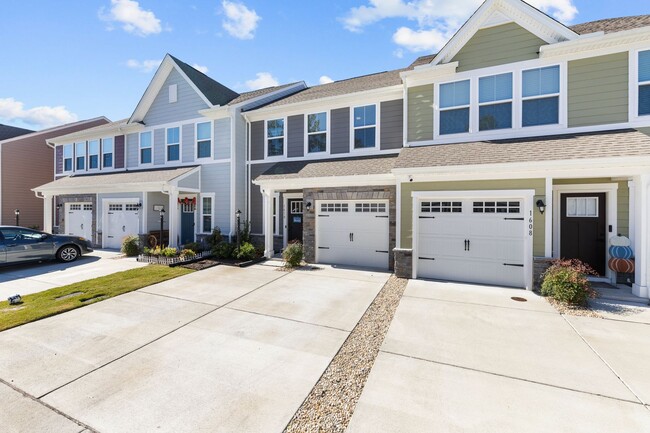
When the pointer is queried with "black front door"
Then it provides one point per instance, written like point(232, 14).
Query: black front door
point(583, 229)
point(294, 223)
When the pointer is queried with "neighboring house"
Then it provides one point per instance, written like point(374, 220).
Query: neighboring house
point(26, 162)
point(521, 140)
point(182, 150)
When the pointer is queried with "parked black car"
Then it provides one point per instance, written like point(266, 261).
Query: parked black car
point(20, 244)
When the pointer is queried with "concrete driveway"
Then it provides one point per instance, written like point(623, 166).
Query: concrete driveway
point(36, 277)
point(463, 358)
point(220, 350)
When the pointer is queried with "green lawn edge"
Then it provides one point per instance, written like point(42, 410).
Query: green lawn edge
point(58, 300)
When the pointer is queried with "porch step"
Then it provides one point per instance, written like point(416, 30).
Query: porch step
point(621, 293)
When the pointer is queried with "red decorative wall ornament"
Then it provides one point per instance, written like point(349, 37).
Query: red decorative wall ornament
point(187, 200)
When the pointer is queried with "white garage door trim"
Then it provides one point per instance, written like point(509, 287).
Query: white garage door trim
point(526, 195)
point(108, 201)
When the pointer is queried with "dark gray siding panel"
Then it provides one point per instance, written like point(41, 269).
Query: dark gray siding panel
point(158, 146)
point(296, 138)
point(391, 124)
point(257, 140)
point(340, 140)
point(256, 211)
point(59, 159)
point(119, 151)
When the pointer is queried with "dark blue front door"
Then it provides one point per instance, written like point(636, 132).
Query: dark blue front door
point(187, 227)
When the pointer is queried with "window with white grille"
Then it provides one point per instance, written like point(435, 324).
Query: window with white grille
point(114, 207)
point(75, 207)
point(132, 207)
point(334, 207)
point(441, 207)
point(88, 207)
point(296, 207)
point(188, 207)
point(370, 207)
point(496, 207)
point(582, 207)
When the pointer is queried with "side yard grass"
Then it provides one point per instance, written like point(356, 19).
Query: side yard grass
point(61, 299)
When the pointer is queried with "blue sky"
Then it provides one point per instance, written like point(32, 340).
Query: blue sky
point(74, 59)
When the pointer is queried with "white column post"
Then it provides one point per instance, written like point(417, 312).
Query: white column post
point(172, 216)
point(641, 235)
point(548, 220)
point(47, 213)
point(267, 199)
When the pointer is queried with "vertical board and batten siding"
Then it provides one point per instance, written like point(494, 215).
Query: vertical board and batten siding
point(296, 136)
point(186, 107)
point(119, 155)
point(340, 127)
point(159, 146)
point(59, 160)
point(598, 90)
point(420, 113)
point(391, 124)
point(215, 178)
point(256, 210)
point(257, 140)
point(499, 45)
point(187, 142)
point(222, 137)
point(132, 150)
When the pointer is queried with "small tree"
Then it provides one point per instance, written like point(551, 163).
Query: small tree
point(293, 254)
point(566, 281)
point(131, 246)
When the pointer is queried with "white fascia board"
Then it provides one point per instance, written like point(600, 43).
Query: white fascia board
point(428, 73)
point(216, 112)
point(296, 86)
point(326, 182)
point(56, 128)
point(88, 134)
point(591, 45)
point(152, 89)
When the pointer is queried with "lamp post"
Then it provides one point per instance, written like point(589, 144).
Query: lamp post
point(17, 214)
point(162, 220)
point(238, 215)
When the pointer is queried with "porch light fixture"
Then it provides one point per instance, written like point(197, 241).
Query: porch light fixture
point(238, 215)
point(541, 206)
point(308, 206)
point(162, 221)
point(17, 214)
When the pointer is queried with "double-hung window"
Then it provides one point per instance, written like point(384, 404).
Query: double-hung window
point(173, 143)
point(495, 102)
point(203, 140)
point(67, 157)
point(107, 152)
point(365, 127)
point(145, 148)
point(93, 155)
point(540, 96)
point(80, 156)
point(206, 214)
point(644, 83)
point(317, 132)
point(275, 137)
point(454, 107)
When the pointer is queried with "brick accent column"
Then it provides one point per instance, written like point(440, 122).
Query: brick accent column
point(540, 265)
point(403, 262)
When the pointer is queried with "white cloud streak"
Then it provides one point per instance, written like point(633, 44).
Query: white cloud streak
point(324, 79)
point(132, 17)
point(263, 80)
point(144, 66)
point(38, 117)
point(241, 22)
point(200, 68)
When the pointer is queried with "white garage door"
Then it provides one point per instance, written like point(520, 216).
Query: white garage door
point(79, 219)
point(352, 233)
point(122, 220)
point(473, 240)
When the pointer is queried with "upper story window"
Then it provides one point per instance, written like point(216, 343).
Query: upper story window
point(365, 127)
point(203, 140)
point(275, 137)
point(644, 83)
point(93, 154)
point(107, 152)
point(540, 96)
point(145, 148)
point(495, 102)
point(173, 144)
point(67, 157)
point(80, 156)
point(454, 107)
point(317, 132)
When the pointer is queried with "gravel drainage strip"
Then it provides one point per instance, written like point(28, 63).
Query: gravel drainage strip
point(330, 404)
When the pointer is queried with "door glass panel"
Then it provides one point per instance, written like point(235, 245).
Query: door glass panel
point(582, 207)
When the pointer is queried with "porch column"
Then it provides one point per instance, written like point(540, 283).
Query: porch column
point(172, 216)
point(548, 218)
point(641, 235)
point(267, 206)
point(47, 213)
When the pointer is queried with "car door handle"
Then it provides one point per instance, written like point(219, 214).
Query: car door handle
point(12, 245)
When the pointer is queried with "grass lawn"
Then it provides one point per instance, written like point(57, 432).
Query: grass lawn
point(61, 299)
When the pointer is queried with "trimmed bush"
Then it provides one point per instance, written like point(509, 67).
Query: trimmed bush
point(169, 252)
point(566, 281)
point(215, 238)
point(195, 247)
point(246, 251)
point(188, 253)
point(131, 246)
point(293, 254)
point(223, 250)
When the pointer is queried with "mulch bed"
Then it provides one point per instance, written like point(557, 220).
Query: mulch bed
point(200, 265)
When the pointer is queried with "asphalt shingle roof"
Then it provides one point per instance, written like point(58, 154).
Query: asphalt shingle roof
point(243, 97)
point(217, 93)
point(612, 25)
point(329, 168)
point(125, 177)
point(7, 131)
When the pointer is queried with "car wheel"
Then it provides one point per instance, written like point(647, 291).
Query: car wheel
point(67, 254)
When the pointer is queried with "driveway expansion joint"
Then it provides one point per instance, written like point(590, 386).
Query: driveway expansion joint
point(242, 310)
point(178, 299)
point(478, 304)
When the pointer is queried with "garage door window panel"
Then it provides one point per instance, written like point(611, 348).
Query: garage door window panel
point(441, 207)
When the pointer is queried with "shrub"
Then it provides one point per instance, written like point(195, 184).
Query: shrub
point(566, 281)
point(215, 238)
point(131, 246)
point(169, 252)
point(246, 251)
point(223, 250)
point(195, 247)
point(245, 233)
point(293, 254)
point(188, 253)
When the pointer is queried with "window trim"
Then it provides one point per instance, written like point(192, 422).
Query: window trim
point(275, 210)
point(103, 152)
point(196, 141)
point(140, 148)
point(283, 136)
point(99, 154)
point(168, 145)
point(326, 132)
point(501, 101)
point(473, 96)
point(211, 196)
point(635, 84)
point(85, 156)
point(72, 160)
point(523, 98)
point(377, 145)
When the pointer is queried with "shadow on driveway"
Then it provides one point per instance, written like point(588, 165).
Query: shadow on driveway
point(35, 269)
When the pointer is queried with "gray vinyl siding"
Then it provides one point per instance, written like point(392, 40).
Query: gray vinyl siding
point(499, 45)
point(187, 143)
point(340, 140)
point(420, 113)
point(132, 150)
point(222, 133)
point(598, 90)
point(186, 107)
point(239, 165)
point(59, 159)
point(296, 136)
point(153, 217)
point(191, 181)
point(256, 215)
point(159, 146)
point(257, 140)
point(215, 178)
point(391, 125)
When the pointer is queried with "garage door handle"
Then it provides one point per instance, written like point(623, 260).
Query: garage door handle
point(351, 237)
point(466, 246)
point(323, 248)
point(426, 258)
point(513, 264)
point(513, 219)
point(381, 216)
point(123, 228)
point(380, 251)
point(323, 216)
point(82, 226)
point(422, 217)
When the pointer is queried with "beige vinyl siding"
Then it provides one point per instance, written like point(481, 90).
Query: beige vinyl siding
point(420, 113)
point(498, 45)
point(598, 90)
point(407, 204)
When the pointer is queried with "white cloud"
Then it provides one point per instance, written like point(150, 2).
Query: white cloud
point(419, 40)
point(39, 117)
point(200, 68)
point(133, 18)
point(240, 21)
point(324, 79)
point(144, 66)
point(263, 80)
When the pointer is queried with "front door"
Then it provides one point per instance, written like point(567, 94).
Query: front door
point(294, 225)
point(187, 222)
point(583, 230)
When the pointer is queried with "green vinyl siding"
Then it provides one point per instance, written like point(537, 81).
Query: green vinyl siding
point(407, 203)
point(507, 43)
point(420, 113)
point(598, 90)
